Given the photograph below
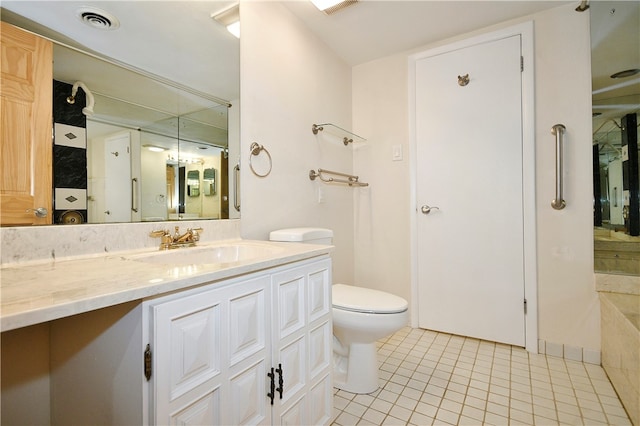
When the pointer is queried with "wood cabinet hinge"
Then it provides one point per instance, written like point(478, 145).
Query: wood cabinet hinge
point(521, 63)
point(525, 306)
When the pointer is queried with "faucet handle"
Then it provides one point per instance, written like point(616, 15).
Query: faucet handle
point(156, 234)
point(195, 233)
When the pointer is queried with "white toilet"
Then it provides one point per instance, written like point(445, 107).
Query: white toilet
point(361, 316)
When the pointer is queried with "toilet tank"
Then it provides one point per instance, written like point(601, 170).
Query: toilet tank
point(303, 235)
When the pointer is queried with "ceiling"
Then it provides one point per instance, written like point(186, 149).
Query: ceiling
point(372, 29)
point(175, 39)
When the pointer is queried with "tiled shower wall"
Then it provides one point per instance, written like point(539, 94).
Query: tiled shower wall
point(69, 156)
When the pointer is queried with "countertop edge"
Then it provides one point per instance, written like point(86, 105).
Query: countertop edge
point(29, 317)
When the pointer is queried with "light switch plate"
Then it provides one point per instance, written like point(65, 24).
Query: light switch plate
point(397, 153)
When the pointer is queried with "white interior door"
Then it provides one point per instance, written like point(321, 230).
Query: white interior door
point(470, 251)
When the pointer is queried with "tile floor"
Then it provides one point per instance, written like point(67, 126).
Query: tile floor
point(435, 378)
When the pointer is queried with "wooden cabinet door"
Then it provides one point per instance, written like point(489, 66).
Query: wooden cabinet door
point(26, 93)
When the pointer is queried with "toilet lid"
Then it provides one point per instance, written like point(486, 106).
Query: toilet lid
point(358, 299)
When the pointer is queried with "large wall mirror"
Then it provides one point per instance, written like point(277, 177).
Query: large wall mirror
point(161, 139)
point(615, 45)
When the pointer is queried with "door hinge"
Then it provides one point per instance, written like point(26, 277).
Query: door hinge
point(525, 306)
point(521, 63)
point(147, 362)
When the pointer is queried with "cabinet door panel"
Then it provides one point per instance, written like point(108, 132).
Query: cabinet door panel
point(186, 353)
point(290, 295)
point(320, 349)
point(321, 402)
point(248, 396)
point(319, 289)
point(194, 349)
point(246, 326)
point(296, 414)
point(292, 358)
point(204, 411)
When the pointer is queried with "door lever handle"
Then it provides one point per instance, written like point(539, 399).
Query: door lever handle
point(39, 212)
point(425, 209)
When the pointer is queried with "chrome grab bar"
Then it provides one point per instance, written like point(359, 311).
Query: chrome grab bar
point(236, 192)
point(134, 195)
point(558, 203)
point(350, 180)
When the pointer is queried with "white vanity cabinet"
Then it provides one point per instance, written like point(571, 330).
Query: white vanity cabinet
point(250, 350)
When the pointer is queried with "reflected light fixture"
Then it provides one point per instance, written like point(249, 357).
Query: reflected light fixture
point(332, 6)
point(90, 101)
point(626, 73)
point(230, 18)
point(154, 148)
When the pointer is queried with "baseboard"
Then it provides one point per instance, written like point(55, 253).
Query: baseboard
point(573, 353)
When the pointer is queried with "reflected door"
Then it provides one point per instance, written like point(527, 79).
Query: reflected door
point(118, 192)
point(469, 165)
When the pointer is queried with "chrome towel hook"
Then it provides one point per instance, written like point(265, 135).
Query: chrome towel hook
point(255, 150)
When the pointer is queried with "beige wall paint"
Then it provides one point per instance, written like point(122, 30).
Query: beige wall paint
point(291, 80)
point(567, 302)
point(25, 377)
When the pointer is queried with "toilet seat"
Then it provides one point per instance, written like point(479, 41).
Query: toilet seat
point(365, 300)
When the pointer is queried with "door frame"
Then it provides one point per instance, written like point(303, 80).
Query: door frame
point(525, 31)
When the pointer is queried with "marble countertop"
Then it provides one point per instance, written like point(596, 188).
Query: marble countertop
point(43, 291)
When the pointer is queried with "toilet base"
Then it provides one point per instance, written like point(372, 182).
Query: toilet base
point(357, 370)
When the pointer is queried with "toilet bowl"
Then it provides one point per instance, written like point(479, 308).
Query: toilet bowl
point(361, 316)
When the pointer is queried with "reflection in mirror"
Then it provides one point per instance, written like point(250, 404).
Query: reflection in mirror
point(142, 138)
point(615, 44)
point(153, 114)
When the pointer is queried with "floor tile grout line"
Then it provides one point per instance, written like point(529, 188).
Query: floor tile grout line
point(553, 376)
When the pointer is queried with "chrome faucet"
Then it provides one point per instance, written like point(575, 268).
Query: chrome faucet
point(168, 241)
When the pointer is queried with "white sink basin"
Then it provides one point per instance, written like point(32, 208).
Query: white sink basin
point(227, 253)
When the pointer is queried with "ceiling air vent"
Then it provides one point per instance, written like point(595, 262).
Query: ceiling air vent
point(97, 18)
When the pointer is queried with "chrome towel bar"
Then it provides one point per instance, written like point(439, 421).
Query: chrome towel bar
point(558, 203)
point(350, 180)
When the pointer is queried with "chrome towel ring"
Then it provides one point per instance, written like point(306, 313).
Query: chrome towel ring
point(256, 149)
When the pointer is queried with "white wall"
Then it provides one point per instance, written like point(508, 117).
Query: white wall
point(567, 301)
point(290, 80)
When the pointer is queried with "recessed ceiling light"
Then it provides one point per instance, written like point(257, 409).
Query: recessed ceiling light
point(626, 73)
point(97, 18)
